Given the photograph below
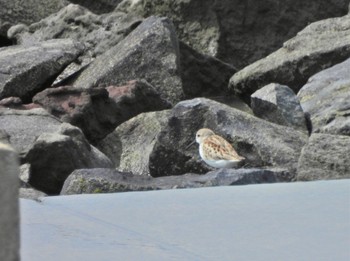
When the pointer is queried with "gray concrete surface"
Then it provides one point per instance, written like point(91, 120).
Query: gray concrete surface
point(285, 221)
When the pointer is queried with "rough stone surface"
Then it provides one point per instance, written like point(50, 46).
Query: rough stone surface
point(149, 52)
point(9, 217)
point(25, 126)
point(203, 75)
point(109, 180)
point(98, 32)
point(53, 156)
point(17, 104)
point(319, 46)
point(279, 104)
point(89, 109)
point(25, 70)
point(95, 93)
point(4, 137)
point(131, 144)
point(325, 157)
point(31, 193)
point(234, 102)
point(235, 31)
point(98, 7)
point(26, 12)
point(260, 142)
point(52, 149)
point(24, 174)
point(11, 102)
point(135, 97)
point(195, 21)
point(326, 97)
point(99, 111)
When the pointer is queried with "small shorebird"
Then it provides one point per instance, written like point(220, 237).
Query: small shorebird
point(216, 151)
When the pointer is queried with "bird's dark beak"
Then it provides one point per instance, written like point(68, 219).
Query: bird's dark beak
point(189, 145)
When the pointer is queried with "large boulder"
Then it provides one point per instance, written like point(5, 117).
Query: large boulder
point(260, 142)
point(52, 148)
point(203, 75)
point(279, 104)
point(4, 137)
point(84, 108)
point(135, 97)
point(235, 31)
point(26, 12)
point(326, 97)
point(53, 156)
point(319, 46)
point(131, 144)
point(155, 143)
point(325, 157)
point(25, 70)
point(150, 52)
point(25, 126)
point(98, 7)
point(98, 111)
point(111, 181)
point(98, 32)
point(195, 21)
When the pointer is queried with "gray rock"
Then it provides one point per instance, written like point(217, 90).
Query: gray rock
point(98, 7)
point(235, 31)
point(16, 11)
point(88, 109)
point(11, 102)
point(24, 174)
point(279, 104)
point(17, 104)
point(131, 144)
point(325, 157)
point(203, 75)
point(234, 102)
point(326, 97)
point(98, 111)
point(135, 97)
point(110, 181)
point(260, 142)
point(98, 32)
point(4, 137)
point(52, 149)
point(229, 177)
point(31, 193)
point(319, 46)
point(25, 70)
point(9, 218)
point(195, 21)
point(25, 126)
point(53, 156)
point(150, 52)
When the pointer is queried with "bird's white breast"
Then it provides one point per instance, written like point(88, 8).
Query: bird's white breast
point(221, 163)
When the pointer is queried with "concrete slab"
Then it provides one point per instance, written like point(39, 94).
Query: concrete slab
point(286, 221)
